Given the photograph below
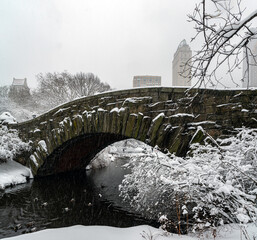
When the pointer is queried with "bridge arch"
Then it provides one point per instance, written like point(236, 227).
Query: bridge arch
point(75, 153)
point(76, 140)
point(66, 137)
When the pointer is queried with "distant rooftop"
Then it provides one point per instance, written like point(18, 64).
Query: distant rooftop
point(19, 82)
point(150, 76)
point(182, 43)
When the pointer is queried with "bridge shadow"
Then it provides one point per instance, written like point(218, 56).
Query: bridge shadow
point(77, 153)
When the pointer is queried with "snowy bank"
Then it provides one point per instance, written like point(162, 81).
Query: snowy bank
point(94, 233)
point(144, 232)
point(12, 173)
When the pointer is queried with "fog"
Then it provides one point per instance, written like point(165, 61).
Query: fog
point(114, 39)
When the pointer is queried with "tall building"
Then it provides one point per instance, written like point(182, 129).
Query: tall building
point(250, 66)
point(181, 56)
point(146, 81)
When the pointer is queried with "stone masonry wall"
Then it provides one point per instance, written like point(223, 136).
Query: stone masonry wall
point(166, 117)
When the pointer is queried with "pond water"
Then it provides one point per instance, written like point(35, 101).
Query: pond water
point(82, 197)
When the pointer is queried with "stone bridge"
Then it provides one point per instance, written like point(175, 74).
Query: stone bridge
point(68, 137)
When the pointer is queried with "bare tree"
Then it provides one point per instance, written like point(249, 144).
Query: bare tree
point(53, 88)
point(86, 84)
point(225, 35)
point(57, 88)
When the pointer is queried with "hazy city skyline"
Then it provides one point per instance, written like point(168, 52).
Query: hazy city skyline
point(115, 39)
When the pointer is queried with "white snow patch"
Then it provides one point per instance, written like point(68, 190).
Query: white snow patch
point(118, 109)
point(154, 104)
point(6, 117)
point(158, 116)
point(183, 115)
point(226, 232)
point(224, 105)
point(199, 128)
point(12, 173)
point(201, 123)
point(61, 110)
point(42, 143)
point(136, 99)
point(32, 157)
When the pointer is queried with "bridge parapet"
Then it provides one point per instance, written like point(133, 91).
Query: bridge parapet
point(167, 117)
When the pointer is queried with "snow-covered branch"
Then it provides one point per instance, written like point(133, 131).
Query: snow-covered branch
point(225, 36)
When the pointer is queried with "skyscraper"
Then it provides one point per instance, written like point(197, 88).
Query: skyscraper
point(181, 56)
point(250, 65)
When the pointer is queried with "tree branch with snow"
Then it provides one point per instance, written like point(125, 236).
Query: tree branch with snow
point(225, 36)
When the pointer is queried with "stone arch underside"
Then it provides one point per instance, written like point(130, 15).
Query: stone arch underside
point(164, 117)
point(76, 153)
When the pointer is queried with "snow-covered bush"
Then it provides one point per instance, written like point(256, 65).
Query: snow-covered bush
point(10, 144)
point(214, 184)
point(6, 117)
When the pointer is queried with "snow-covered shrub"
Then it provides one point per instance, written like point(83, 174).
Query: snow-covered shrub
point(10, 144)
point(6, 117)
point(214, 184)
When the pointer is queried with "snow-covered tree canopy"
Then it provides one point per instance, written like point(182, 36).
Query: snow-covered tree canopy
point(215, 183)
point(225, 33)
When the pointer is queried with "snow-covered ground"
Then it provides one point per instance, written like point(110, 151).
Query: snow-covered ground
point(12, 173)
point(144, 232)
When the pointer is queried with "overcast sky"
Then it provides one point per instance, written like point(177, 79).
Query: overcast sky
point(114, 39)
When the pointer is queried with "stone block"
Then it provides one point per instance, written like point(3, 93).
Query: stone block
point(146, 123)
point(155, 125)
point(138, 125)
point(131, 122)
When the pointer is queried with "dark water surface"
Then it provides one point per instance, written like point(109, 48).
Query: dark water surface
point(84, 197)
